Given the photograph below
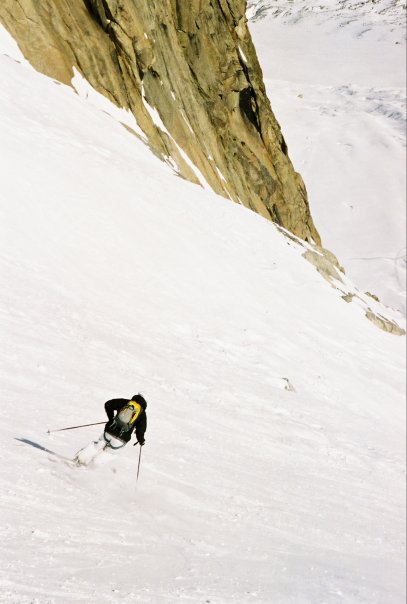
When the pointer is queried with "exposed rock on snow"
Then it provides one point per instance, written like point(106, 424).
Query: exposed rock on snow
point(385, 324)
point(325, 263)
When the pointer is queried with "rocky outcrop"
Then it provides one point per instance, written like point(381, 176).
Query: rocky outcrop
point(385, 324)
point(193, 63)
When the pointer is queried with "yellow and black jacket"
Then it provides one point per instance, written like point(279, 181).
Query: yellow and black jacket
point(140, 424)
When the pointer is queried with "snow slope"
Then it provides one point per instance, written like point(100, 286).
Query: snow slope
point(335, 74)
point(274, 463)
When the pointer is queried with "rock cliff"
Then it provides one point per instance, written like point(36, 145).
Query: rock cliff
point(194, 63)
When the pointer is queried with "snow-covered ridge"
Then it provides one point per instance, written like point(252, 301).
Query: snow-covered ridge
point(344, 12)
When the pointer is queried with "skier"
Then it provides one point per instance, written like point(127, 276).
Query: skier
point(130, 417)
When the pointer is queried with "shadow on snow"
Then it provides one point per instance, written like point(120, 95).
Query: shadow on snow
point(31, 443)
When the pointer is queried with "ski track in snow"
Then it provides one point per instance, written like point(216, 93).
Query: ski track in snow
point(117, 277)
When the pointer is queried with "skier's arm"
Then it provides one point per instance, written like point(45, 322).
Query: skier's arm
point(114, 405)
point(141, 427)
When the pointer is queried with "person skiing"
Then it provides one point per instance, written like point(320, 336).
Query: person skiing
point(125, 417)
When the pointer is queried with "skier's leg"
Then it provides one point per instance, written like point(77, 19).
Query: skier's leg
point(88, 453)
point(113, 445)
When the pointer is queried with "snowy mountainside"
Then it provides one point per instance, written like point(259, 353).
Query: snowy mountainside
point(391, 12)
point(336, 76)
point(275, 455)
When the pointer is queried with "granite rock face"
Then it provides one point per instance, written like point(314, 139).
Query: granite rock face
point(194, 63)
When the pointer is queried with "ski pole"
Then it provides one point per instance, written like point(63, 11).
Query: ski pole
point(139, 460)
point(75, 427)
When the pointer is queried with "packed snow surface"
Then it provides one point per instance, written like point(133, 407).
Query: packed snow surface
point(336, 77)
point(274, 464)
